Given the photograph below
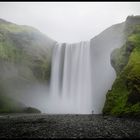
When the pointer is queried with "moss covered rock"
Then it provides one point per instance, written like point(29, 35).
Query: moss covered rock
point(124, 97)
point(31, 110)
point(27, 46)
point(25, 58)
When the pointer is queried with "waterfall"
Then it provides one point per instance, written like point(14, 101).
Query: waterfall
point(71, 86)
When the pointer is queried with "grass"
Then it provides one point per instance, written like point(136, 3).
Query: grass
point(126, 87)
point(18, 44)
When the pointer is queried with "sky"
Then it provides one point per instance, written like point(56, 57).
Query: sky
point(68, 21)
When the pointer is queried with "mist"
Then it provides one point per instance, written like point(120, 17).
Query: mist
point(68, 21)
point(61, 73)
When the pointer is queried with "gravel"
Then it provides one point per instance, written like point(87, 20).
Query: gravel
point(67, 126)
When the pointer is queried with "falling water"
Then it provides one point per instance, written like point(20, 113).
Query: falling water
point(71, 79)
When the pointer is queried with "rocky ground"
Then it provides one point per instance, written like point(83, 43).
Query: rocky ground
point(67, 126)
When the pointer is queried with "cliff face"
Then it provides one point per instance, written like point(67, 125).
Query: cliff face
point(25, 58)
point(26, 46)
point(124, 97)
point(103, 73)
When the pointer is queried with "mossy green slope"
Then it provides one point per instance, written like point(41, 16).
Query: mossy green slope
point(124, 97)
point(9, 105)
point(25, 55)
point(26, 45)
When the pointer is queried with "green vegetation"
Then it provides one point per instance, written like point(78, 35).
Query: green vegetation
point(8, 105)
point(24, 45)
point(124, 97)
point(29, 52)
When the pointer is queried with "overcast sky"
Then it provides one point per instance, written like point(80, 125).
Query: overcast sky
point(68, 21)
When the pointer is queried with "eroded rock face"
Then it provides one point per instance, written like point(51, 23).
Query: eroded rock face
point(124, 97)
